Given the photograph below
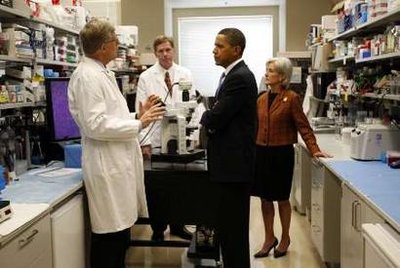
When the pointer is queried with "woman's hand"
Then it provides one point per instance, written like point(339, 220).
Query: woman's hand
point(322, 154)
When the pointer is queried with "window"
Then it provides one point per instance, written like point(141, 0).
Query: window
point(196, 36)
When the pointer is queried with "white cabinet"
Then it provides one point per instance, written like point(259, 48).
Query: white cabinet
point(381, 246)
point(301, 191)
point(325, 212)
point(354, 212)
point(30, 249)
point(68, 234)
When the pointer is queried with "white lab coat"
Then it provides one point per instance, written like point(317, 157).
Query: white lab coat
point(112, 161)
point(151, 82)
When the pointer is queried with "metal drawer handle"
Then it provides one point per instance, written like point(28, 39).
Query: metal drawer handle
point(316, 228)
point(357, 217)
point(24, 241)
point(317, 163)
point(353, 214)
point(316, 206)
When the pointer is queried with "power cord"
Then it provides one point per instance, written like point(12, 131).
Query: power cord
point(152, 124)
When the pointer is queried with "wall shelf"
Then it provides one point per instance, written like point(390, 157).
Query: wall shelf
point(12, 13)
point(318, 100)
point(368, 27)
point(53, 62)
point(382, 96)
point(15, 15)
point(38, 61)
point(15, 59)
point(380, 57)
point(8, 12)
point(5, 106)
point(119, 71)
point(342, 60)
point(321, 71)
point(344, 35)
point(395, 97)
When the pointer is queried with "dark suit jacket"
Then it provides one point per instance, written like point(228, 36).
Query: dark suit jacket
point(231, 128)
point(278, 124)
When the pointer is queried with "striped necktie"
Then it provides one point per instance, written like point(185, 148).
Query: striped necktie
point(167, 80)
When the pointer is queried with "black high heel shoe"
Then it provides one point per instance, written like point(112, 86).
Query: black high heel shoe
point(262, 254)
point(278, 254)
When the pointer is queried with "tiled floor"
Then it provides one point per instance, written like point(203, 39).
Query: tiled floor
point(302, 252)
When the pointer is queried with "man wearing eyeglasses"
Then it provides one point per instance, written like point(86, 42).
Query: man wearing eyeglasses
point(112, 163)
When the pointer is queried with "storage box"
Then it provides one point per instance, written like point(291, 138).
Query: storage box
point(328, 22)
point(320, 57)
point(73, 156)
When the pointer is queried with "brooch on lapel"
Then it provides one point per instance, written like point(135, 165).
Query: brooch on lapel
point(284, 99)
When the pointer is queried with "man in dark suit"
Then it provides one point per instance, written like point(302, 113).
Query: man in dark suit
point(231, 146)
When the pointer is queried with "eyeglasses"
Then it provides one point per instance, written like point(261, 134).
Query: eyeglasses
point(112, 40)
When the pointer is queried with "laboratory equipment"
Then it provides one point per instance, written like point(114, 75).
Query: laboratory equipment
point(322, 122)
point(175, 128)
point(5, 210)
point(61, 124)
point(370, 141)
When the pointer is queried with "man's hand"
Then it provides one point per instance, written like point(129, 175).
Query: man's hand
point(155, 113)
point(151, 101)
point(146, 152)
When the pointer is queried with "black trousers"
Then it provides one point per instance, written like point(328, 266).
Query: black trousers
point(232, 227)
point(108, 250)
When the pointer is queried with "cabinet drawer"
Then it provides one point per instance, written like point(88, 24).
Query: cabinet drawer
point(317, 238)
point(31, 248)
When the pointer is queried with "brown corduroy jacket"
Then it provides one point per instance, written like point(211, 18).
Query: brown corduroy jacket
point(278, 125)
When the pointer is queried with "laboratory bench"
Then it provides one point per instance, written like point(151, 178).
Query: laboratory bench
point(46, 205)
point(345, 194)
point(176, 193)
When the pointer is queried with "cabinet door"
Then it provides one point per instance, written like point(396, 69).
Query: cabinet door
point(351, 239)
point(305, 158)
point(301, 190)
point(370, 216)
point(68, 234)
point(332, 197)
point(325, 212)
point(296, 195)
point(317, 206)
point(31, 248)
point(354, 213)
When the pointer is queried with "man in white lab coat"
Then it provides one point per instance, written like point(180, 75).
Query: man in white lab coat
point(161, 80)
point(112, 162)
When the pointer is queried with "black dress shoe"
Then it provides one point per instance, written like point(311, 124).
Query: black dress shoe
point(262, 254)
point(278, 254)
point(182, 233)
point(157, 236)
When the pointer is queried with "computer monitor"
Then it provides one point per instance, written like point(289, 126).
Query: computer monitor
point(62, 126)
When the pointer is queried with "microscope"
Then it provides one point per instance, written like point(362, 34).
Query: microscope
point(175, 127)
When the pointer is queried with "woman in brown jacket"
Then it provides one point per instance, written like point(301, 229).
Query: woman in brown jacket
point(280, 118)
